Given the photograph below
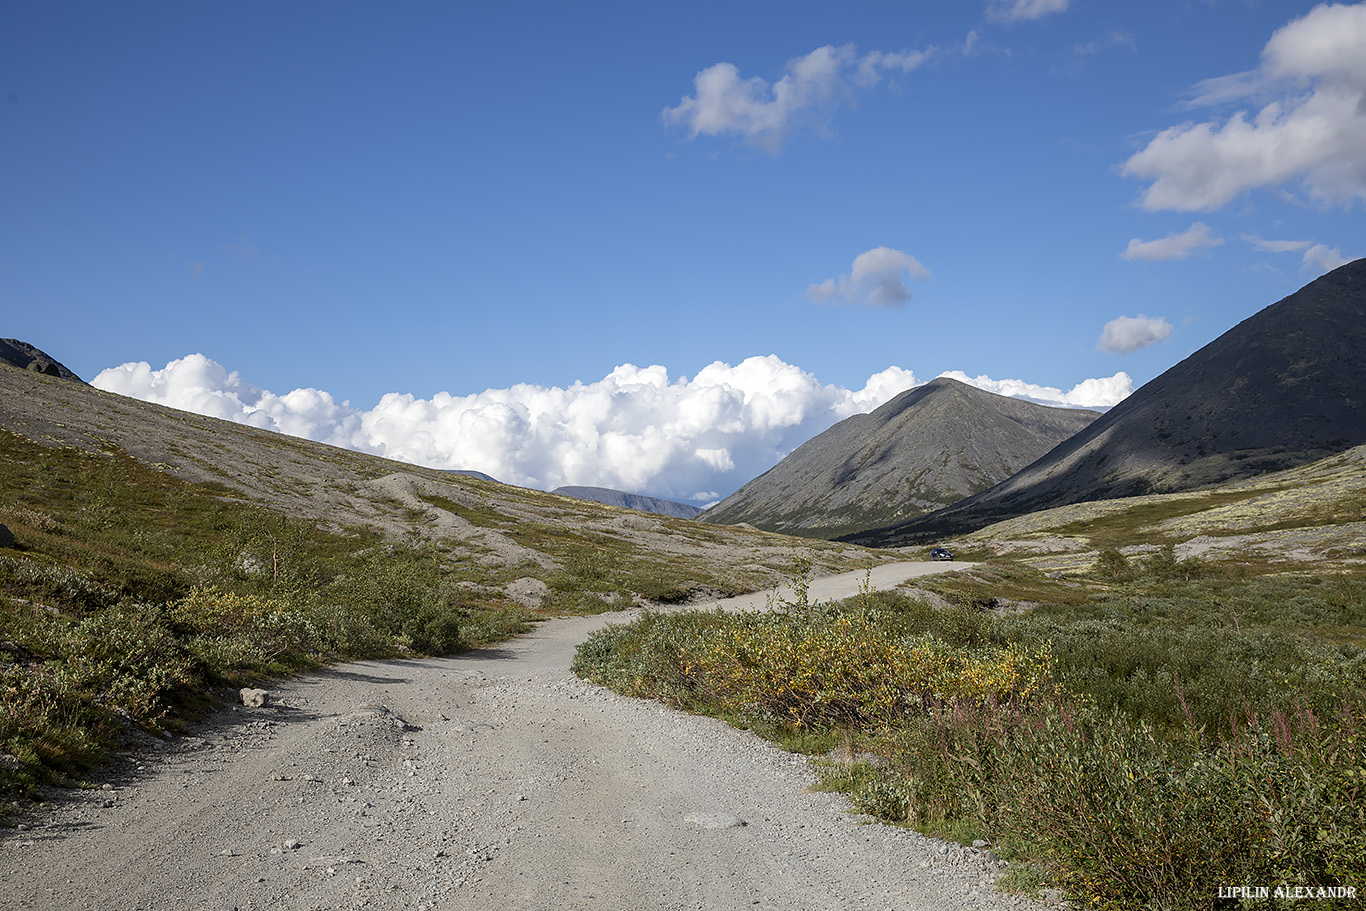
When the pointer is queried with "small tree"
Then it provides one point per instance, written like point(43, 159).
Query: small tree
point(1113, 565)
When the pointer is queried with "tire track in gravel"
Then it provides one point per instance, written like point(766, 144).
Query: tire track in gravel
point(495, 779)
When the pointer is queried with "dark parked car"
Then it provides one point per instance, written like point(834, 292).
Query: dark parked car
point(941, 553)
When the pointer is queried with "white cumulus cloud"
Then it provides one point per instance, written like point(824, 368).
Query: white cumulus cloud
point(636, 429)
point(877, 279)
point(1311, 131)
point(1023, 10)
point(810, 90)
point(196, 383)
point(883, 387)
point(1129, 333)
point(1173, 246)
point(1100, 392)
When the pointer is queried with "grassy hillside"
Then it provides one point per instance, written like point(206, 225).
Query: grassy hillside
point(160, 557)
point(1313, 516)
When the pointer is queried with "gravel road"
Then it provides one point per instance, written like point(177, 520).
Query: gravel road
point(493, 780)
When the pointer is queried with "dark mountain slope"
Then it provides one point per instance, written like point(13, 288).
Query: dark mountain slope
point(1283, 388)
point(926, 448)
point(26, 357)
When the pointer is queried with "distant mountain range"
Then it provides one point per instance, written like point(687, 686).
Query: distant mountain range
point(630, 501)
point(471, 473)
point(1283, 388)
point(928, 447)
point(608, 497)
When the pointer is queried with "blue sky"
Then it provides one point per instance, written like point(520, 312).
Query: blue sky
point(366, 199)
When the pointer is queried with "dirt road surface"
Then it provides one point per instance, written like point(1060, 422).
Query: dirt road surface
point(492, 780)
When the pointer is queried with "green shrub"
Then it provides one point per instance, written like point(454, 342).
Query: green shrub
point(486, 625)
point(125, 659)
point(434, 631)
point(1125, 817)
point(235, 634)
point(347, 633)
point(52, 583)
point(1163, 565)
point(587, 565)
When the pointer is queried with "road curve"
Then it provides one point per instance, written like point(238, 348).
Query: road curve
point(492, 780)
point(843, 585)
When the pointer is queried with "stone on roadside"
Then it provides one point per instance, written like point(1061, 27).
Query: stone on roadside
point(254, 698)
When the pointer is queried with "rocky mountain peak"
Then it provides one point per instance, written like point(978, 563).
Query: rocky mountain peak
point(27, 357)
point(929, 446)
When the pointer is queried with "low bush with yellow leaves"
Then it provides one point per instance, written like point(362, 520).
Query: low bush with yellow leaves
point(845, 670)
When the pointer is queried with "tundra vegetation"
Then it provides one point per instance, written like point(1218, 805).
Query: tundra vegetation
point(132, 594)
point(1141, 730)
point(1144, 732)
point(133, 599)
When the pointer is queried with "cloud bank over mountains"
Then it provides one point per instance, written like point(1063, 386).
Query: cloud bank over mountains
point(1099, 392)
point(695, 439)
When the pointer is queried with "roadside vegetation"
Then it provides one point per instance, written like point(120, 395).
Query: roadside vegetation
point(1138, 735)
point(131, 600)
point(130, 597)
